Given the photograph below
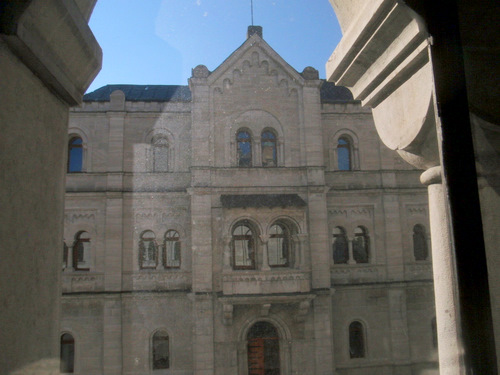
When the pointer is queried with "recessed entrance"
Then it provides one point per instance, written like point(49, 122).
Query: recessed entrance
point(263, 350)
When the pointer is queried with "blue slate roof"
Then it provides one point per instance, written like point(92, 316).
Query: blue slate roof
point(177, 93)
point(142, 93)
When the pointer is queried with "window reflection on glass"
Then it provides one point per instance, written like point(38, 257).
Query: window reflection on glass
point(340, 246)
point(243, 247)
point(269, 155)
point(361, 245)
point(75, 155)
point(147, 250)
point(244, 141)
point(173, 249)
point(161, 358)
point(344, 154)
point(278, 245)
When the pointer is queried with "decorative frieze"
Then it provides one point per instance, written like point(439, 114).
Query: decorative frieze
point(156, 280)
point(416, 210)
point(74, 216)
point(266, 282)
point(357, 212)
point(82, 282)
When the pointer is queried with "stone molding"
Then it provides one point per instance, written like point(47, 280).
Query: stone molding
point(156, 280)
point(274, 281)
point(82, 282)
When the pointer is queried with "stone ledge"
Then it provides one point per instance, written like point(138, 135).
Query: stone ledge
point(156, 280)
point(275, 281)
point(81, 281)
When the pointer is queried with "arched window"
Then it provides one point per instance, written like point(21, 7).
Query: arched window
point(356, 340)
point(434, 333)
point(244, 142)
point(340, 246)
point(65, 255)
point(243, 243)
point(81, 252)
point(269, 150)
point(263, 349)
point(278, 246)
point(344, 154)
point(160, 349)
point(75, 155)
point(420, 250)
point(160, 154)
point(172, 249)
point(361, 245)
point(147, 250)
point(67, 365)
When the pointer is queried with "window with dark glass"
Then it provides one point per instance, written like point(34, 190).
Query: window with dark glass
point(434, 333)
point(243, 243)
point(160, 155)
point(65, 255)
point(81, 252)
point(75, 155)
point(420, 250)
point(67, 364)
point(244, 141)
point(147, 250)
point(356, 340)
point(172, 249)
point(269, 154)
point(161, 357)
point(361, 245)
point(340, 246)
point(344, 154)
point(278, 246)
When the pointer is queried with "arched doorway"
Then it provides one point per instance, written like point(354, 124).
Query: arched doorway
point(263, 350)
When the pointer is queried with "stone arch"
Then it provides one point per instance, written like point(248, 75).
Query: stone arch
point(157, 133)
point(73, 132)
point(285, 340)
point(353, 149)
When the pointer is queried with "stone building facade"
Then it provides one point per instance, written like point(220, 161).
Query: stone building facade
point(251, 223)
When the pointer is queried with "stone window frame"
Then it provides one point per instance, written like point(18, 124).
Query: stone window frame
point(61, 335)
point(255, 236)
point(73, 133)
point(350, 229)
point(292, 229)
point(77, 241)
point(179, 244)
point(364, 331)
point(151, 350)
point(150, 138)
point(252, 142)
point(353, 150)
point(276, 142)
point(141, 250)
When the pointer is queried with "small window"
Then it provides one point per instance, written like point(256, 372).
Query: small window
point(340, 246)
point(344, 154)
point(172, 249)
point(356, 340)
point(81, 252)
point(278, 246)
point(65, 255)
point(243, 247)
point(420, 250)
point(161, 357)
point(361, 245)
point(147, 250)
point(160, 154)
point(269, 154)
point(67, 365)
point(75, 155)
point(244, 141)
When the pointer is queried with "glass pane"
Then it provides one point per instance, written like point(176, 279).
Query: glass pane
point(75, 157)
point(360, 249)
point(420, 250)
point(244, 149)
point(340, 248)
point(160, 351)
point(173, 253)
point(277, 246)
point(67, 364)
point(344, 158)
point(269, 157)
point(356, 340)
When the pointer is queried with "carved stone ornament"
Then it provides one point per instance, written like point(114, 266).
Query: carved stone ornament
point(201, 71)
point(310, 73)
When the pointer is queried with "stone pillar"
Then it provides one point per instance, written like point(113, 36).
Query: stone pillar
point(112, 335)
point(113, 242)
point(323, 340)
point(69, 260)
point(161, 253)
point(227, 253)
point(447, 313)
point(265, 255)
point(351, 250)
point(400, 337)
point(203, 337)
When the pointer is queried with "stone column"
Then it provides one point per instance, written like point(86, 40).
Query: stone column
point(323, 340)
point(447, 313)
point(159, 262)
point(351, 250)
point(69, 260)
point(265, 255)
point(203, 338)
point(400, 337)
point(226, 241)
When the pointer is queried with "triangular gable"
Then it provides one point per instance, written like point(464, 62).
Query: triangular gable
point(254, 41)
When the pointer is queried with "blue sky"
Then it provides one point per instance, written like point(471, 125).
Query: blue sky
point(160, 41)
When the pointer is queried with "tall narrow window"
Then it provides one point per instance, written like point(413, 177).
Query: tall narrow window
point(75, 155)
point(65, 255)
point(243, 247)
point(67, 365)
point(160, 155)
point(81, 252)
point(278, 246)
point(356, 340)
point(161, 357)
point(244, 141)
point(340, 246)
point(434, 333)
point(344, 154)
point(361, 245)
point(269, 154)
point(172, 249)
point(420, 250)
point(147, 250)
